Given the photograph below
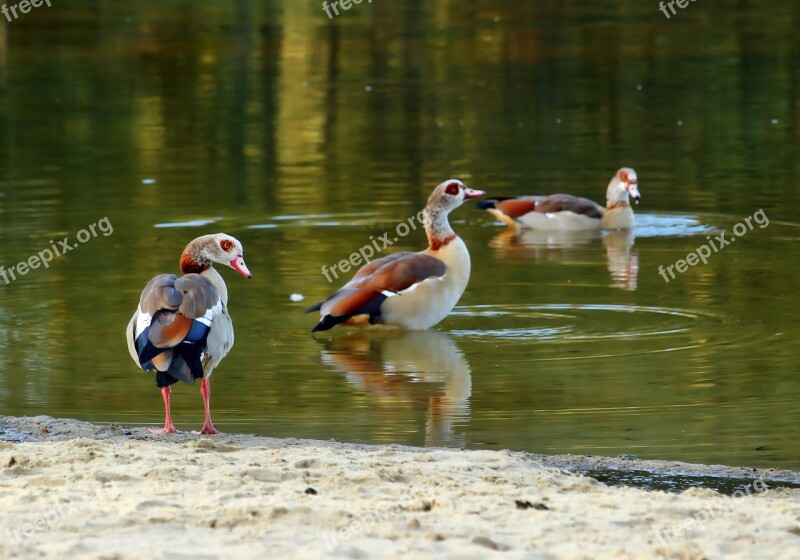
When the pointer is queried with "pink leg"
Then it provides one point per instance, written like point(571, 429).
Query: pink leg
point(169, 428)
point(208, 425)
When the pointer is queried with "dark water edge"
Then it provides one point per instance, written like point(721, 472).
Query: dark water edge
point(677, 483)
point(664, 476)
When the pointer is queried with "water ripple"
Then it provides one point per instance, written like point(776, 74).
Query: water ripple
point(652, 329)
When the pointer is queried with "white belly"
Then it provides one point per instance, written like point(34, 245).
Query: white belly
point(619, 218)
point(559, 221)
point(430, 301)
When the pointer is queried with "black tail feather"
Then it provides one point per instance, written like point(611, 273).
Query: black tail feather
point(490, 204)
point(163, 379)
point(328, 322)
point(315, 307)
point(373, 309)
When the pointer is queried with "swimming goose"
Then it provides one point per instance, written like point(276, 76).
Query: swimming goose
point(181, 329)
point(565, 212)
point(414, 291)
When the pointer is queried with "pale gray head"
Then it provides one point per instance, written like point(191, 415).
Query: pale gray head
point(445, 198)
point(450, 195)
point(623, 185)
point(218, 248)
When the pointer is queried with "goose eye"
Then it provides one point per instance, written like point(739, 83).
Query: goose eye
point(453, 189)
point(226, 245)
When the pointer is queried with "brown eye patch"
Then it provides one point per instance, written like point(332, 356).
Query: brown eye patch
point(453, 189)
point(623, 175)
point(226, 245)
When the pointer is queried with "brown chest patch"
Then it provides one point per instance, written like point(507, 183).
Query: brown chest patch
point(620, 204)
point(189, 265)
point(437, 243)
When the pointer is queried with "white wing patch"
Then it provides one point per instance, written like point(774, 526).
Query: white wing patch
point(142, 322)
point(416, 285)
point(211, 313)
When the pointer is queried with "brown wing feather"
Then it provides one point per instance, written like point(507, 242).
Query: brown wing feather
point(403, 273)
point(173, 303)
point(371, 267)
point(199, 295)
point(351, 302)
point(193, 295)
point(516, 207)
point(395, 273)
point(160, 294)
point(569, 203)
point(163, 361)
point(169, 329)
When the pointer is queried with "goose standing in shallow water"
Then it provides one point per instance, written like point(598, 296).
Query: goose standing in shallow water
point(414, 291)
point(564, 212)
point(181, 329)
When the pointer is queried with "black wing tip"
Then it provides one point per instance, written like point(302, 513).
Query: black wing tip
point(328, 322)
point(491, 203)
point(315, 307)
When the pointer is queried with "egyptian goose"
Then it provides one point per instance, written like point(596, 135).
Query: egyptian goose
point(565, 212)
point(411, 290)
point(181, 329)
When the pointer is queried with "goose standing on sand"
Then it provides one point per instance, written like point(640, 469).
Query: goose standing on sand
point(564, 212)
point(181, 329)
point(411, 290)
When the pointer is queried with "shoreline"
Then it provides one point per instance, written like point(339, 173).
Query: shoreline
point(81, 490)
point(29, 429)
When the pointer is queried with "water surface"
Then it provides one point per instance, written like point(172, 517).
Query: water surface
point(303, 137)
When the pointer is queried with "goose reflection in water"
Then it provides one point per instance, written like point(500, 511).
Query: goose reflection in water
point(423, 367)
point(569, 247)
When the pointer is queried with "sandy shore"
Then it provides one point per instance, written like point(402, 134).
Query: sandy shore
point(76, 490)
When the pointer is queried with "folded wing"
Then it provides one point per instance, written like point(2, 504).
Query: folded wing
point(172, 325)
point(373, 283)
point(516, 207)
point(568, 203)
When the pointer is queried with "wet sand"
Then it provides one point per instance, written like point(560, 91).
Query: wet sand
point(72, 489)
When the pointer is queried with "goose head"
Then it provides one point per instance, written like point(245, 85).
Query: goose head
point(219, 248)
point(623, 186)
point(450, 195)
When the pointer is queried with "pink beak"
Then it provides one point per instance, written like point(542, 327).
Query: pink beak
point(471, 193)
point(633, 190)
point(238, 265)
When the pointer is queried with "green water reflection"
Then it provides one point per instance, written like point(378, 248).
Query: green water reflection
point(303, 136)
